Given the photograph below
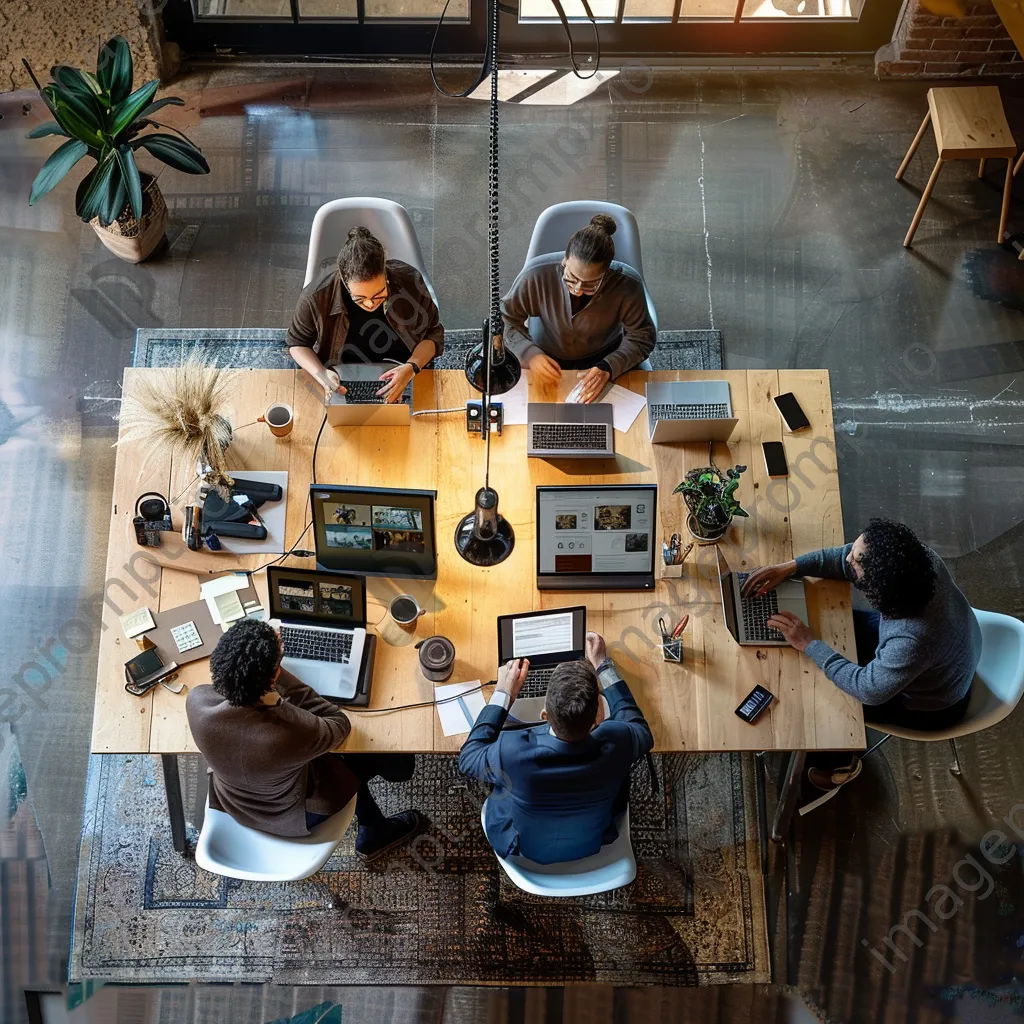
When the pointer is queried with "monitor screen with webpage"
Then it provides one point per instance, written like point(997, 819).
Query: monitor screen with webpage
point(377, 531)
point(596, 537)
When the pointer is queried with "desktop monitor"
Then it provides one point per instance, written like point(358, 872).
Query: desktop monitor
point(376, 531)
point(596, 537)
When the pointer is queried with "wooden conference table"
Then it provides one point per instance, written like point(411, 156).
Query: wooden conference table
point(690, 707)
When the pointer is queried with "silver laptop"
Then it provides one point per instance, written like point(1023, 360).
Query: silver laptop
point(747, 618)
point(361, 406)
point(321, 618)
point(689, 410)
point(558, 430)
point(546, 638)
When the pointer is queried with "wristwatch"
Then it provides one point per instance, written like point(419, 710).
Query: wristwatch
point(415, 369)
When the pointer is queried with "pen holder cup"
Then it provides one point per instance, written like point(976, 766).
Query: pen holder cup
point(671, 650)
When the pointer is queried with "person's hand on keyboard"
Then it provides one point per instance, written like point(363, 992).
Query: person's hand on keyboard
point(765, 578)
point(796, 633)
point(394, 381)
point(511, 677)
point(331, 383)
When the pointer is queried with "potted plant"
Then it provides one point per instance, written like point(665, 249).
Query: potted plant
point(710, 497)
point(104, 120)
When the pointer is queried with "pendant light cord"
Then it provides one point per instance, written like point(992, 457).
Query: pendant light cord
point(494, 322)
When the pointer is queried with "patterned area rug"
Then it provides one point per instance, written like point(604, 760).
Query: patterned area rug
point(438, 910)
point(262, 348)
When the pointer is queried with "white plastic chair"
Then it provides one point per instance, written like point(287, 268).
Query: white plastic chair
point(558, 223)
point(612, 867)
point(998, 684)
point(227, 848)
point(389, 221)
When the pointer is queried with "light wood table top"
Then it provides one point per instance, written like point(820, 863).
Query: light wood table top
point(689, 707)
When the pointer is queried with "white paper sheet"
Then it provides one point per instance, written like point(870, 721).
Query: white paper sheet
point(137, 622)
point(514, 402)
point(212, 589)
point(626, 406)
point(459, 716)
point(542, 634)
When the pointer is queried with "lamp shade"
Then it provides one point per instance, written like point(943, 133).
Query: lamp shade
point(505, 367)
point(485, 537)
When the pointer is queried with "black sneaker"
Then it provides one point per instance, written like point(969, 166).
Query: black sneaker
point(371, 843)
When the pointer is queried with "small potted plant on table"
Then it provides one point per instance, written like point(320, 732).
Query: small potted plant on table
point(710, 498)
point(103, 119)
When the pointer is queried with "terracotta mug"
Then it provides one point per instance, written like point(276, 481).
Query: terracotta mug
point(279, 418)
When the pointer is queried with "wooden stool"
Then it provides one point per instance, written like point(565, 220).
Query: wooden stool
point(969, 124)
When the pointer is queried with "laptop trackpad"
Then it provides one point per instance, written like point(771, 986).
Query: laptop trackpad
point(327, 679)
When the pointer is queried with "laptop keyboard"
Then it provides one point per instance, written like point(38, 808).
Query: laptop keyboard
point(317, 644)
point(690, 411)
point(536, 682)
point(757, 611)
point(591, 437)
point(364, 392)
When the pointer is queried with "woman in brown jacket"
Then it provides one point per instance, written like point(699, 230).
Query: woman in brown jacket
point(367, 309)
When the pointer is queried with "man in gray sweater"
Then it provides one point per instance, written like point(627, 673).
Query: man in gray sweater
point(917, 651)
point(579, 311)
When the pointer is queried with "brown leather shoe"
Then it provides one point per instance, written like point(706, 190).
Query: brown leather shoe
point(826, 780)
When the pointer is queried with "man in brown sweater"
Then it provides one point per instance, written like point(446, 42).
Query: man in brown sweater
point(270, 763)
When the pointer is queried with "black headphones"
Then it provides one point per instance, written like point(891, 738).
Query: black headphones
point(152, 517)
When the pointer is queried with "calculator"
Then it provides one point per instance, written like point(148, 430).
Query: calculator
point(186, 636)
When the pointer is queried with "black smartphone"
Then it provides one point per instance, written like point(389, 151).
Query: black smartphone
point(754, 704)
point(775, 458)
point(795, 417)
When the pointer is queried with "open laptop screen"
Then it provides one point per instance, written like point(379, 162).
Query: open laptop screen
point(545, 637)
point(597, 533)
point(377, 531)
point(317, 598)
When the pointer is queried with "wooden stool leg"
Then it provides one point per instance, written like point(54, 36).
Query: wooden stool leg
point(981, 168)
point(913, 146)
point(1005, 212)
point(1020, 163)
point(925, 196)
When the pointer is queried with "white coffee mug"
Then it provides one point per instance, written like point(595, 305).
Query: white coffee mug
point(404, 610)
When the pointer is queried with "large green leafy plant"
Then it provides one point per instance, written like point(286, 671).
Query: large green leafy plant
point(103, 119)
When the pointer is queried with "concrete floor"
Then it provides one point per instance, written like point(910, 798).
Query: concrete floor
point(768, 210)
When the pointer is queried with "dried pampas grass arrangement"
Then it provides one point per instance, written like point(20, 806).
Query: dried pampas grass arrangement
point(183, 418)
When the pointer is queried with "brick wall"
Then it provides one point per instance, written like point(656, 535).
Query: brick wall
point(932, 46)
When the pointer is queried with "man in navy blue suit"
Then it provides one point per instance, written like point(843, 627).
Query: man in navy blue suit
point(558, 787)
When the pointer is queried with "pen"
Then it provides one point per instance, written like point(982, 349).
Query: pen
point(679, 627)
point(465, 711)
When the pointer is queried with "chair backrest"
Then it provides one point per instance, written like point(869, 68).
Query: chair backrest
point(612, 867)
point(557, 223)
point(227, 848)
point(999, 681)
point(389, 221)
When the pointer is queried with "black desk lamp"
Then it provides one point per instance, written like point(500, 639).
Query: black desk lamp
point(485, 537)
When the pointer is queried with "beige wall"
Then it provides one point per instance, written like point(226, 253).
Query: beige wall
point(48, 32)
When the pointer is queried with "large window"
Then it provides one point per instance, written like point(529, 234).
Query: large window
point(629, 28)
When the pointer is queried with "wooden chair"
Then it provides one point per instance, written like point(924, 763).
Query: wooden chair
point(969, 124)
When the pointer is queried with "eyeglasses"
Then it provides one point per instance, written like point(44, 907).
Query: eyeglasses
point(370, 302)
point(584, 287)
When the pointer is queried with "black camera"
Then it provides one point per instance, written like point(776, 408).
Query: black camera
point(152, 517)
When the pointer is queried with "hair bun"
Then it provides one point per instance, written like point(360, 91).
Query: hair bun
point(359, 231)
point(603, 223)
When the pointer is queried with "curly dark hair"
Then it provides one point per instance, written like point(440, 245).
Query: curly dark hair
point(244, 661)
point(899, 577)
point(571, 701)
point(362, 257)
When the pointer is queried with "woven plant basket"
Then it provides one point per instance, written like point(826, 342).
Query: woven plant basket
point(130, 239)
